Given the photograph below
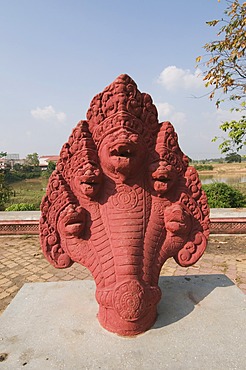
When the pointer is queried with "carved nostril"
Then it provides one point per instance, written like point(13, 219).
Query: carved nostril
point(125, 153)
point(122, 152)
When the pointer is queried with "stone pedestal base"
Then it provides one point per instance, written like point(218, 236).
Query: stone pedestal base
point(112, 322)
point(53, 326)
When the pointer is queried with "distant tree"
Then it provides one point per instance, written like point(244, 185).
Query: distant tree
point(31, 166)
point(51, 166)
point(5, 191)
point(3, 154)
point(221, 160)
point(18, 167)
point(233, 157)
point(30, 169)
point(32, 160)
point(226, 71)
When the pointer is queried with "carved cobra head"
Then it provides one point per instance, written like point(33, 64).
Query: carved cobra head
point(122, 154)
point(167, 163)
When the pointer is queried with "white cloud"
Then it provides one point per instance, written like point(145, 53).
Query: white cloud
point(48, 114)
point(173, 78)
point(213, 119)
point(28, 133)
point(226, 115)
point(164, 109)
point(179, 118)
point(166, 112)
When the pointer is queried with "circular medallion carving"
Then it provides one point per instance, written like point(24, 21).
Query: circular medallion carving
point(125, 198)
point(129, 300)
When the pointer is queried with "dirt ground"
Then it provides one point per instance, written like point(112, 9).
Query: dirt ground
point(227, 244)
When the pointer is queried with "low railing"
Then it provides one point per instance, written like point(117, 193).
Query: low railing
point(223, 221)
point(18, 227)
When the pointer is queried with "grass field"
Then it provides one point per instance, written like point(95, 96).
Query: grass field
point(28, 191)
point(32, 190)
point(227, 168)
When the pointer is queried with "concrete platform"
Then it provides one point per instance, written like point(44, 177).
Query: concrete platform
point(201, 325)
point(20, 215)
point(227, 213)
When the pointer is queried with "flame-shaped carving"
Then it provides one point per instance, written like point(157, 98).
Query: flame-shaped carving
point(121, 201)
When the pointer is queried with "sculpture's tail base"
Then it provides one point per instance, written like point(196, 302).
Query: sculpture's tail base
point(111, 321)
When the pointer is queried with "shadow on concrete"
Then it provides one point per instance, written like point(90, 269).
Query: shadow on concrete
point(181, 294)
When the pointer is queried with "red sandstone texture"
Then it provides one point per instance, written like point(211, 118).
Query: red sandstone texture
point(121, 201)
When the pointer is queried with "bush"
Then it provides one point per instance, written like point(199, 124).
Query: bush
point(22, 207)
point(221, 195)
point(204, 167)
point(14, 176)
point(20, 173)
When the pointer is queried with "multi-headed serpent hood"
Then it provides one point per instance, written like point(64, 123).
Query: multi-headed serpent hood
point(121, 201)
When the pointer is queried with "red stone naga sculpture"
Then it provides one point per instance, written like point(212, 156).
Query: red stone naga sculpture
point(121, 201)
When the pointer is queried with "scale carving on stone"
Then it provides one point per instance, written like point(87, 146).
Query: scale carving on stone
point(122, 200)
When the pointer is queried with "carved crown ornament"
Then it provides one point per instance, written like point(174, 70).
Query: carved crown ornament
point(121, 201)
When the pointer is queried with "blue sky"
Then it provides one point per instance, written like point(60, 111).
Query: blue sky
point(56, 55)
